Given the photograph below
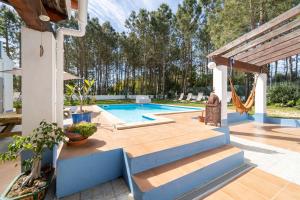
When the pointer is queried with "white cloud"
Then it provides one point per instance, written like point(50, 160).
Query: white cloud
point(117, 11)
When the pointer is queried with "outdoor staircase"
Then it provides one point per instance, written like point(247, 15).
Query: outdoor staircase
point(168, 169)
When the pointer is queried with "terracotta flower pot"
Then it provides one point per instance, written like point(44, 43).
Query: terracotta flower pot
point(75, 139)
point(19, 110)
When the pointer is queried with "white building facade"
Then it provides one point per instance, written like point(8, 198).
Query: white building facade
point(6, 82)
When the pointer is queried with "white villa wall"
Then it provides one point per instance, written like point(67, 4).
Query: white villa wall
point(38, 79)
point(6, 64)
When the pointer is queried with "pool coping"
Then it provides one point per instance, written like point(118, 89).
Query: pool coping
point(158, 118)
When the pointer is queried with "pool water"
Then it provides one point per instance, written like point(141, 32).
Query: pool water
point(135, 112)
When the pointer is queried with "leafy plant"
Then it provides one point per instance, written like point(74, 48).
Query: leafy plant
point(81, 91)
point(284, 94)
point(18, 104)
point(298, 103)
point(44, 137)
point(85, 129)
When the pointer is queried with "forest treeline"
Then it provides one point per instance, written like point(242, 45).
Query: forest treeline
point(161, 52)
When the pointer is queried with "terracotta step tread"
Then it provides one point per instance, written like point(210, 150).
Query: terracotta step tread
point(167, 143)
point(158, 176)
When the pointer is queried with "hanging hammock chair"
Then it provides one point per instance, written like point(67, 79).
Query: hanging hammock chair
point(237, 102)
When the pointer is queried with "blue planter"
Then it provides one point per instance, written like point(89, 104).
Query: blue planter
point(82, 117)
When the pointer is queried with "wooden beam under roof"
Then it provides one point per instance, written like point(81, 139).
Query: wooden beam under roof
point(275, 49)
point(252, 53)
point(29, 11)
point(268, 36)
point(74, 4)
point(258, 31)
point(242, 66)
point(290, 51)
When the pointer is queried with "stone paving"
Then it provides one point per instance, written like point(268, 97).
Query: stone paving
point(274, 160)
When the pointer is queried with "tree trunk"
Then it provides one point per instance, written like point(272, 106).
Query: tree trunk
point(290, 69)
point(296, 70)
point(34, 174)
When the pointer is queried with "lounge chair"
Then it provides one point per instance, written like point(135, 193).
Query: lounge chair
point(199, 97)
point(180, 98)
point(188, 98)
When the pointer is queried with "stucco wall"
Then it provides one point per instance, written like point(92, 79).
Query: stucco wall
point(6, 64)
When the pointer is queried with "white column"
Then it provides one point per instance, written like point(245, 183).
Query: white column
point(261, 95)
point(60, 81)
point(38, 78)
point(220, 87)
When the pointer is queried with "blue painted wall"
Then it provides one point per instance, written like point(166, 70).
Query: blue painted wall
point(236, 117)
point(263, 118)
point(271, 120)
point(80, 173)
point(47, 158)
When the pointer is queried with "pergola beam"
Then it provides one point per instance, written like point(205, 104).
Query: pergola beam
point(284, 54)
point(256, 32)
point(278, 49)
point(277, 53)
point(283, 29)
point(254, 53)
point(29, 11)
point(242, 66)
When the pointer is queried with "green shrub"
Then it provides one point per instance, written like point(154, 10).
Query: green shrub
point(298, 102)
point(18, 104)
point(291, 103)
point(284, 94)
point(85, 129)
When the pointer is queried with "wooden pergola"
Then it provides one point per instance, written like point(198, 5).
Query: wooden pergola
point(30, 10)
point(272, 41)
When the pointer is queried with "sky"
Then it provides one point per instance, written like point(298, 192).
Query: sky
point(117, 11)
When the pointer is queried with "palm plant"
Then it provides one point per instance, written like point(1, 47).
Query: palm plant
point(81, 91)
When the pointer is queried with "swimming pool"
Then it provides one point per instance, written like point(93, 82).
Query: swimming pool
point(136, 112)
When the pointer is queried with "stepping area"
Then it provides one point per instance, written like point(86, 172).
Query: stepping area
point(161, 175)
point(257, 184)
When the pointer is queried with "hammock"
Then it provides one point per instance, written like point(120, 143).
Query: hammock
point(237, 102)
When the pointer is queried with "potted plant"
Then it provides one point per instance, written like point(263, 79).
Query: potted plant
point(33, 183)
point(81, 91)
point(78, 133)
point(18, 106)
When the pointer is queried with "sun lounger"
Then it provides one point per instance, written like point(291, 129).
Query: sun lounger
point(188, 98)
point(199, 97)
point(180, 98)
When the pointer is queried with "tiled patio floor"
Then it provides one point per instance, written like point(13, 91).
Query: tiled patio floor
point(253, 185)
point(272, 134)
point(257, 185)
point(143, 140)
point(9, 170)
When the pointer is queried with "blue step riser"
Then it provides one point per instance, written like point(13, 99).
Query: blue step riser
point(149, 161)
point(196, 179)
